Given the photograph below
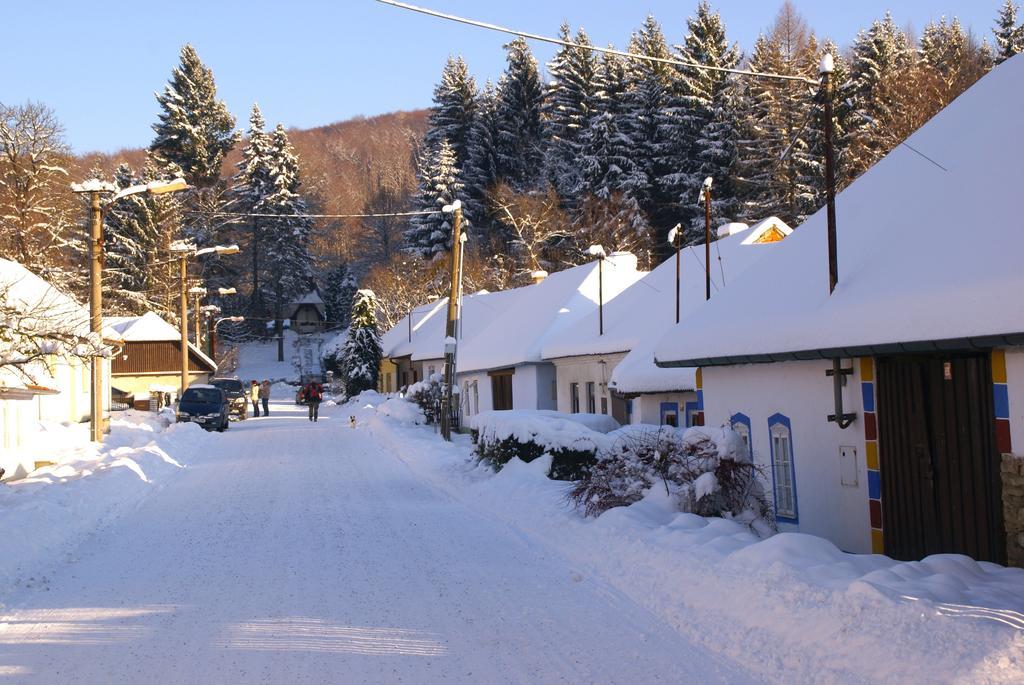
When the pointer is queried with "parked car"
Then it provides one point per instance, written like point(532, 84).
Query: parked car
point(206, 405)
point(237, 396)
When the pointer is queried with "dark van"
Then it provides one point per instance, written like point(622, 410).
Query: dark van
point(206, 405)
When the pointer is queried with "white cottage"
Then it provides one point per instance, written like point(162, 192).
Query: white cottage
point(909, 448)
point(501, 367)
point(57, 389)
point(605, 362)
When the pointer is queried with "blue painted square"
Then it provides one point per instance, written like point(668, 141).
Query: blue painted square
point(700, 400)
point(867, 390)
point(874, 484)
point(1002, 400)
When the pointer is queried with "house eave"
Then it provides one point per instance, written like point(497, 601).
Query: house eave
point(982, 343)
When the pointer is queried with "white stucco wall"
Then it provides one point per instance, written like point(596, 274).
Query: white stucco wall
point(583, 370)
point(647, 408)
point(1015, 388)
point(802, 392)
point(531, 388)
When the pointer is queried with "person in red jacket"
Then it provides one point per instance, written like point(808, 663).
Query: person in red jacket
point(313, 393)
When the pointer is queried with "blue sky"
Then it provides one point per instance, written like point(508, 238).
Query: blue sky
point(314, 62)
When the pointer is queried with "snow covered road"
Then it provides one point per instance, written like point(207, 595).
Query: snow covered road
point(300, 552)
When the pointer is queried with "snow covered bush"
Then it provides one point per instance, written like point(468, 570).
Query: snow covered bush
point(501, 436)
point(708, 475)
point(426, 394)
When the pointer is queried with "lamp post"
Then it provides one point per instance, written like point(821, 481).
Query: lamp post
point(183, 250)
point(675, 239)
point(598, 251)
point(826, 68)
point(213, 332)
point(706, 190)
point(455, 209)
point(96, 189)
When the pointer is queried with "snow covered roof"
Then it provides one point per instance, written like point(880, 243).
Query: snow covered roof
point(150, 327)
point(638, 317)
point(526, 319)
point(429, 321)
point(34, 296)
point(925, 254)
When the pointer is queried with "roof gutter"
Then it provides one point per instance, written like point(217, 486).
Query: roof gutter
point(983, 343)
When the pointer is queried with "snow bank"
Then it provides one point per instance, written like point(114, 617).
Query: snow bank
point(552, 429)
point(402, 411)
point(45, 514)
point(793, 608)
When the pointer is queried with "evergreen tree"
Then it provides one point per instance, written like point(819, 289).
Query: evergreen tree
point(285, 242)
point(1009, 36)
point(481, 170)
point(880, 56)
point(361, 353)
point(570, 93)
point(519, 142)
point(648, 123)
point(704, 140)
point(452, 115)
point(430, 235)
point(339, 290)
point(195, 130)
point(254, 183)
point(137, 231)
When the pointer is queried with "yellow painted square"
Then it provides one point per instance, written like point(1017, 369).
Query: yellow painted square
point(867, 369)
point(877, 542)
point(998, 366)
point(700, 380)
point(871, 454)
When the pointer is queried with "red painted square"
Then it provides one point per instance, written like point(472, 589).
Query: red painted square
point(875, 510)
point(870, 426)
point(698, 418)
point(1003, 436)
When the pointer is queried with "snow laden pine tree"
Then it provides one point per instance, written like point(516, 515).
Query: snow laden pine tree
point(451, 117)
point(361, 353)
point(285, 243)
point(137, 231)
point(570, 93)
point(647, 112)
point(254, 183)
point(338, 294)
point(702, 129)
point(481, 170)
point(519, 143)
point(195, 130)
point(430, 235)
point(1009, 35)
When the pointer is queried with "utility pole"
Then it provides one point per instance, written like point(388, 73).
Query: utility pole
point(825, 69)
point(96, 312)
point(453, 298)
point(675, 240)
point(707, 238)
point(600, 295)
point(183, 316)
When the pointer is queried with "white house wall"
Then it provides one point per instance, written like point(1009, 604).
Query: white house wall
point(647, 408)
point(1015, 390)
point(585, 369)
point(801, 392)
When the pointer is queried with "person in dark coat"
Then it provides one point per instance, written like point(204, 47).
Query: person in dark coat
point(265, 397)
point(313, 394)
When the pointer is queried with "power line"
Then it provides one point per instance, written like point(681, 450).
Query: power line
point(594, 48)
point(312, 216)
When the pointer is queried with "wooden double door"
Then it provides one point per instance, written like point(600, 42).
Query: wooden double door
point(940, 469)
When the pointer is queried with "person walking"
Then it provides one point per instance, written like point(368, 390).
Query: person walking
point(265, 396)
point(254, 395)
point(313, 393)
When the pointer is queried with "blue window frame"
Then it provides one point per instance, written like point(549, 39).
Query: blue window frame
point(670, 414)
point(741, 424)
point(780, 433)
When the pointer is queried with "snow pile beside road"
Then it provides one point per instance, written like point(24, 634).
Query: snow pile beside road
point(793, 607)
point(551, 429)
point(44, 515)
point(402, 411)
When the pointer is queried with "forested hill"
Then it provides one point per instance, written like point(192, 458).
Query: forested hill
point(343, 163)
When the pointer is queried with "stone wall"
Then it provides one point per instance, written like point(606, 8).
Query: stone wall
point(1013, 507)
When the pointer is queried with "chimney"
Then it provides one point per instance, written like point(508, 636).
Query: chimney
point(538, 276)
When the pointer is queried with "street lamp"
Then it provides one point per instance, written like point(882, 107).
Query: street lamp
point(182, 250)
point(675, 239)
point(598, 251)
point(96, 188)
point(213, 332)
